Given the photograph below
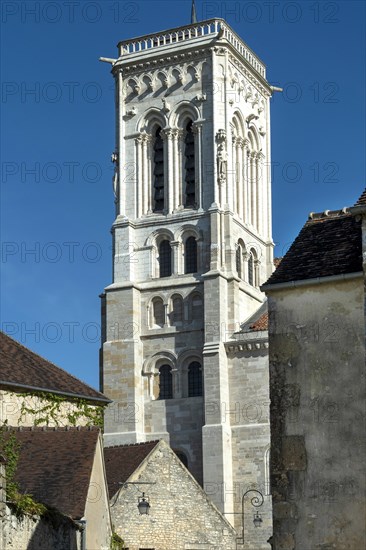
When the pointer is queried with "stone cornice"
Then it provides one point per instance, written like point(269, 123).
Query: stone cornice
point(172, 60)
point(151, 220)
point(247, 346)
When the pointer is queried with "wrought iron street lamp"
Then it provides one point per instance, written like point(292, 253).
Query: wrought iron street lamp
point(256, 501)
point(143, 504)
point(143, 501)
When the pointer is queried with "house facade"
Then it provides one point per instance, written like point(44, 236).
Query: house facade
point(180, 514)
point(316, 302)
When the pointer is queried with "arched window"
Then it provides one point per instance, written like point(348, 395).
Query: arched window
point(189, 168)
point(194, 379)
point(158, 312)
point(158, 172)
point(177, 310)
point(251, 268)
point(196, 307)
point(190, 255)
point(182, 457)
point(165, 382)
point(165, 259)
point(238, 260)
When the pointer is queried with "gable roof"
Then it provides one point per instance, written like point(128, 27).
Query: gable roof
point(22, 368)
point(55, 466)
point(329, 244)
point(122, 460)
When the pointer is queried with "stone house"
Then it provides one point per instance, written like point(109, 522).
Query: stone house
point(60, 465)
point(62, 468)
point(34, 391)
point(316, 303)
point(180, 517)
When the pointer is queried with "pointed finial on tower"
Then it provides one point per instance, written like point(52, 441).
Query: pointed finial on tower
point(193, 13)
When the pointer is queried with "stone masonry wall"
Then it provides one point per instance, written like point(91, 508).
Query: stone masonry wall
point(34, 533)
point(317, 383)
point(11, 411)
point(181, 516)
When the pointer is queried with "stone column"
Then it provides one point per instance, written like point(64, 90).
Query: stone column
point(145, 170)
point(139, 176)
point(168, 134)
point(175, 254)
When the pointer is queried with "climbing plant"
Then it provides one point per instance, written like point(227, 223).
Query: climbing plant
point(49, 408)
point(117, 543)
point(22, 503)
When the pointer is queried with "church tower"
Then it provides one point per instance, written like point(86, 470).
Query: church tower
point(191, 246)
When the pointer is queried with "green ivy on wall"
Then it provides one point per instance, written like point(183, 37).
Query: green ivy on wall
point(22, 503)
point(52, 408)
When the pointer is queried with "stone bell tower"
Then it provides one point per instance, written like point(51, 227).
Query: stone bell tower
point(191, 246)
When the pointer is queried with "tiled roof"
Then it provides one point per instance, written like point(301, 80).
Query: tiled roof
point(261, 323)
point(362, 199)
point(122, 460)
point(328, 244)
point(258, 321)
point(21, 366)
point(55, 466)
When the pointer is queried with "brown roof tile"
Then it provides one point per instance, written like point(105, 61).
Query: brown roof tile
point(261, 323)
point(328, 244)
point(21, 366)
point(122, 460)
point(55, 466)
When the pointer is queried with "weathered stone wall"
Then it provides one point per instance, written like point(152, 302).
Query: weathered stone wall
point(11, 411)
point(34, 533)
point(317, 385)
point(181, 517)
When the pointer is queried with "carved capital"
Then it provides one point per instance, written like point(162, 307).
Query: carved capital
point(167, 133)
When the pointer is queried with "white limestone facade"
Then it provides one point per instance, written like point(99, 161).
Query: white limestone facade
point(191, 245)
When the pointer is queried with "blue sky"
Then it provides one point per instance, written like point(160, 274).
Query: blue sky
point(57, 134)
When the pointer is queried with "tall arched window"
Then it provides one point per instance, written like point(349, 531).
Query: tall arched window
point(165, 259)
point(189, 168)
point(158, 312)
point(251, 268)
point(190, 255)
point(158, 172)
point(177, 310)
point(238, 260)
point(165, 382)
point(194, 379)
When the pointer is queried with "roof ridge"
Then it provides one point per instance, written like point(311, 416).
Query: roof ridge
point(156, 441)
point(52, 428)
point(29, 351)
point(362, 199)
point(328, 214)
